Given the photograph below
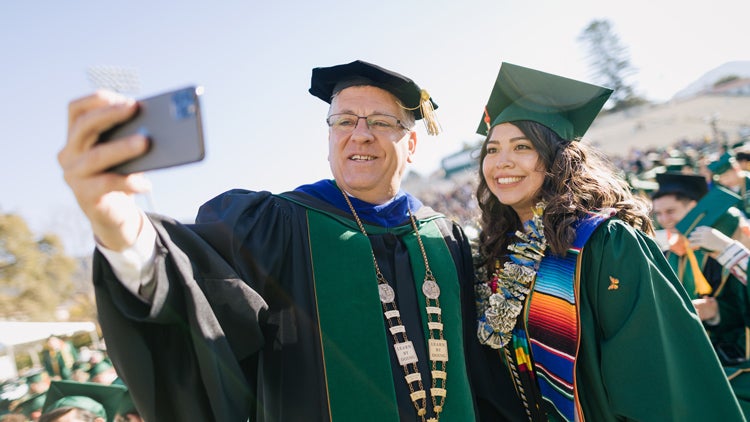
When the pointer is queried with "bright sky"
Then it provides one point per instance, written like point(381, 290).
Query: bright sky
point(263, 130)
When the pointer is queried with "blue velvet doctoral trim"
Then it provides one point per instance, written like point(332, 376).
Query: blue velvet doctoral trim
point(391, 214)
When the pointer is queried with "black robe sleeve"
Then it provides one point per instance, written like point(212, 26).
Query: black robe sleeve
point(178, 363)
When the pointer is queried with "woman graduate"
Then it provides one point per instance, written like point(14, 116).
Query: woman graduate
point(577, 306)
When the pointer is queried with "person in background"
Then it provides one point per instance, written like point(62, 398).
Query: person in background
point(727, 172)
point(38, 381)
point(58, 357)
point(577, 306)
point(80, 371)
point(104, 372)
point(31, 406)
point(733, 256)
point(720, 299)
point(742, 155)
point(343, 299)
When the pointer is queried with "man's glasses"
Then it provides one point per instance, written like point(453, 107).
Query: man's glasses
point(376, 123)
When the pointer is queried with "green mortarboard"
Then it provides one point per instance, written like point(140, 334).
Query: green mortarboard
point(721, 165)
point(566, 106)
point(100, 367)
point(692, 186)
point(35, 402)
point(326, 81)
point(100, 399)
point(709, 211)
point(728, 222)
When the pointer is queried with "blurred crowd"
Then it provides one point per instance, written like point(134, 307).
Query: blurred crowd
point(455, 195)
point(72, 384)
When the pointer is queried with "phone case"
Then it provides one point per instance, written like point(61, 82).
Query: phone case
point(172, 122)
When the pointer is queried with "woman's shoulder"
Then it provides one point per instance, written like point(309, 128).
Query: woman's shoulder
point(616, 232)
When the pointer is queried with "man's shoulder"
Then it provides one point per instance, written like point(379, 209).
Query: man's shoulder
point(236, 203)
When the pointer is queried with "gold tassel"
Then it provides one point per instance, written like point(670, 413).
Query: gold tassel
point(702, 287)
point(428, 114)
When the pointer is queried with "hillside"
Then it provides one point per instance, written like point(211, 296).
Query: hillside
point(664, 124)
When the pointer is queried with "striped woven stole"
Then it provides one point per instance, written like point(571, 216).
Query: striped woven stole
point(553, 322)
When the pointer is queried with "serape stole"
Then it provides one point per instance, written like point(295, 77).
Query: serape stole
point(553, 322)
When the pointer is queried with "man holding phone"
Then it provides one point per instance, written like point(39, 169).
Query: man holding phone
point(343, 299)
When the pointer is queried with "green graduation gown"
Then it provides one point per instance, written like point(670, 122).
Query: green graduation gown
point(643, 354)
point(730, 293)
point(267, 309)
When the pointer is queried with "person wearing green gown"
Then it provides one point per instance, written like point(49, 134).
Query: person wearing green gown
point(726, 171)
point(344, 299)
point(720, 299)
point(733, 256)
point(576, 303)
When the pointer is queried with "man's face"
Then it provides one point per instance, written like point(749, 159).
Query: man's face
point(668, 210)
point(365, 164)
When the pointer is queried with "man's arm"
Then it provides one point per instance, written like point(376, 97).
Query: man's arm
point(731, 254)
point(134, 266)
point(105, 198)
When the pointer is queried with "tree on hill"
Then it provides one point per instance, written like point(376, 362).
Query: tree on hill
point(611, 63)
point(36, 275)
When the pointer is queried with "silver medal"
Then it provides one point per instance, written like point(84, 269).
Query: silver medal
point(386, 293)
point(431, 289)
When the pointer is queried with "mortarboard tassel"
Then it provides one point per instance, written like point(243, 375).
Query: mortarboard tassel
point(487, 119)
point(428, 114)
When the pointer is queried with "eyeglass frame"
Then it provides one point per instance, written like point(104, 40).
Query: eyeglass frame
point(398, 121)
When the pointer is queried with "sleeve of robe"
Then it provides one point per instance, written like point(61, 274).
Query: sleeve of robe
point(644, 353)
point(191, 353)
point(733, 311)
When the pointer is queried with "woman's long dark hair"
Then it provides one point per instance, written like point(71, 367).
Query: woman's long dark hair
point(578, 180)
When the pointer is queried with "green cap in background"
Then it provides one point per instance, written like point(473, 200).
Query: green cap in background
point(566, 106)
point(100, 367)
point(710, 210)
point(102, 400)
point(721, 165)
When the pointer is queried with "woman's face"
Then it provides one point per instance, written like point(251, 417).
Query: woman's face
point(512, 169)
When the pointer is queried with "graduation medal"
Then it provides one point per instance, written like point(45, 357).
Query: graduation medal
point(500, 299)
point(404, 349)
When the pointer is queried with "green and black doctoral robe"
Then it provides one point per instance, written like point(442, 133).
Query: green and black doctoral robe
point(643, 354)
point(267, 308)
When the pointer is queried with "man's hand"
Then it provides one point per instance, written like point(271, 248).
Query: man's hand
point(707, 308)
point(106, 198)
point(710, 239)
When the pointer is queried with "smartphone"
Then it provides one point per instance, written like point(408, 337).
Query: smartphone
point(172, 122)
